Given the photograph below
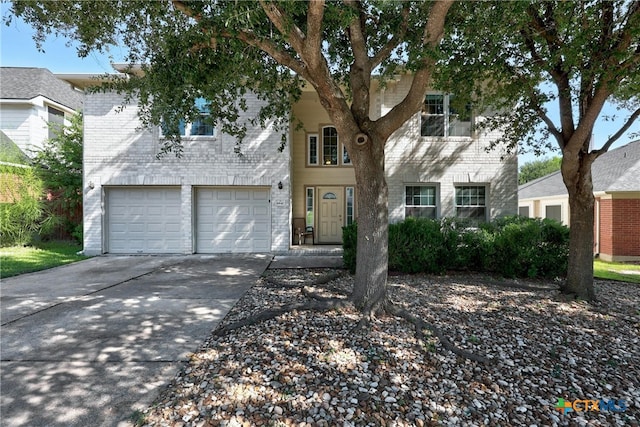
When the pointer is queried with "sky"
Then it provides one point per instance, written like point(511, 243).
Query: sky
point(17, 49)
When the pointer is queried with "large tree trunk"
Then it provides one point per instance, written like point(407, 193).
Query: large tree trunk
point(581, 206)
point(370, 288)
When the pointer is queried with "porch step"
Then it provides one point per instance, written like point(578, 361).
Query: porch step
point(309, 256)
point(312, 250)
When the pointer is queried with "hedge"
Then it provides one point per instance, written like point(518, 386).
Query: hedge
point(512, 246)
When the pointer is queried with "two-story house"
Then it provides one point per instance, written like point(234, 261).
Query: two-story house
point(213, 201)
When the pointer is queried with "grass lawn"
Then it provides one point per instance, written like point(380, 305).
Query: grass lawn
point(616, 271)
point(16, 260)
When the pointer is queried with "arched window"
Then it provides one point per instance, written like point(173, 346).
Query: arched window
point(329, 145)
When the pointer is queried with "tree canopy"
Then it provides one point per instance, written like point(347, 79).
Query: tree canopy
point(516, 57)
point(220, 50)
point(579, 55)
point(538, 168)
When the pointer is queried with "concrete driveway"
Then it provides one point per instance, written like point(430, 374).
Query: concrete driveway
point(89, 343)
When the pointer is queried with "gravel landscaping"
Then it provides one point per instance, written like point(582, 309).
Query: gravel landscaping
point(313, 369)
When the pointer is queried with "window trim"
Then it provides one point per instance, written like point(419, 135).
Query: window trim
point(310, 193)
point(186, 127)
point(337, 163)
point(309, 137)
point(433, 185)
point(349, 199)
point(485, 186)
point(446, 114)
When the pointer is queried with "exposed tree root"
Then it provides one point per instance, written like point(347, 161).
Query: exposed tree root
point(316, 302)
point(421, 325)
point(322, 280)
point(319, 303)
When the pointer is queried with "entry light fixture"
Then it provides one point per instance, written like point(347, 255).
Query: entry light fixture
point(91, 185)
point(280, 185)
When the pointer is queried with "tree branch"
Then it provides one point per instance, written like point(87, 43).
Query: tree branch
point(315, 17)
point(360, 72)
point(619, 133)
point(433, 32)
point(286, 26)
point(280, 55)
point(386, 50)
point(546, 28)
point(357, 37)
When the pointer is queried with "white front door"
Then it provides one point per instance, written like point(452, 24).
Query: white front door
point(330, 218)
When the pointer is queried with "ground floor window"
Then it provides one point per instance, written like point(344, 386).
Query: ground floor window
point(350, 205)
point(471, 202)
point(553, 212)
point(420, 201)
point(309, 206)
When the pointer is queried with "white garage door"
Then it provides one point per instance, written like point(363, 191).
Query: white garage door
point(143, 220)
point(233, 220)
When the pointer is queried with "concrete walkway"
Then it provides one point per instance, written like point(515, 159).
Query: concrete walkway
point(89, 343)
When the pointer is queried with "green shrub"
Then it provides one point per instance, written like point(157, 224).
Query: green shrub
point(417, 245)
point(513, 246)
point(349, 244)
point(78, 233)
point(468, 246)
point(530, 247)
point(22, 212)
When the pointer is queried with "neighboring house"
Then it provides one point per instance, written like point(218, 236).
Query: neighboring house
point(616, 187)
point(30, 99)
point(213, 201)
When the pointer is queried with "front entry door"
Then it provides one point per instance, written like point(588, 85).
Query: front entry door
point(330, 220)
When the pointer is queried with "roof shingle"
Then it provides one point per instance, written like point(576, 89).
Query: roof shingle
point(28, 83)
point(616, 170)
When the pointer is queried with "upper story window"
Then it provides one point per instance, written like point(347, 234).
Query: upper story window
point(55, 118)
point(324, 149)
point(201, 126)
point(346, 160)
point(329, 146)
point(440, 118)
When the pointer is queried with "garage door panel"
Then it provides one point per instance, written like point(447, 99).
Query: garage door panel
point(260, 210)
point(232, 220)
point(144, 220)
point(261, 195)
point(261, 228)
point(242, 195)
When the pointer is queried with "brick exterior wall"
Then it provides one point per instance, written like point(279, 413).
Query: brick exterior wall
point(619, 228)
point(446, 162)
point(606, 227)
point(625, 227)
point(118, 153)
